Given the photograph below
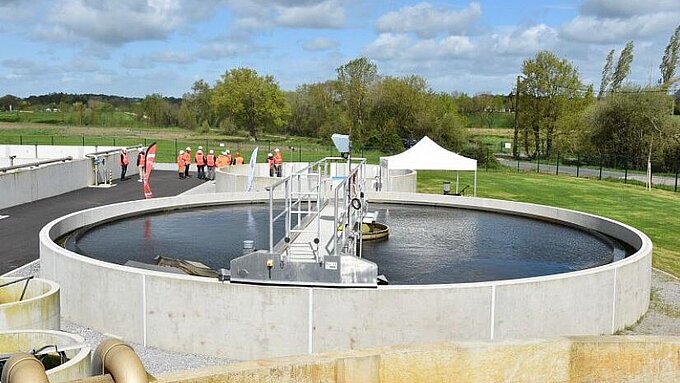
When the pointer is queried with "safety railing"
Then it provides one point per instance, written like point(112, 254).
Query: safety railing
point(348, 212)
point(35, 164)
point(303, 197)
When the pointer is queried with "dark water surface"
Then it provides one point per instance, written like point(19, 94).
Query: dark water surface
point(427, 245)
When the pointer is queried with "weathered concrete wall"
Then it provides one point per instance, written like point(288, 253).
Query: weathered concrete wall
point(78, 365)
point(32, 184)
point(557, 360)
point(247, 322)
point(39, 309)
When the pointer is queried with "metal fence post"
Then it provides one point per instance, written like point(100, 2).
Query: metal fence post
point(83, 140)
point(52, 139)
point(517, 164)
point(625, 170)
point(21, 139)
point(486, 160)
point(114, 141)
point(601, 159)
point(176, 147)
point(538, 164)
point(299, 152)
point(557, 168)
point(677, 168)
point(578, 163)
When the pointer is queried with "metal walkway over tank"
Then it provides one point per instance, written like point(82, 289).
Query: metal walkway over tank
point(321, 209)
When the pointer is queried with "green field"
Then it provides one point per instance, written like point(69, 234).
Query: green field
point(656, 213)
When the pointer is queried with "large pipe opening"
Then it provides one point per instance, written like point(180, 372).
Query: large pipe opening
point(119, 360)
point(24, 368)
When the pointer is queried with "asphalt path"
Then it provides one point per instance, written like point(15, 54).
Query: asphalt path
point(20, 226)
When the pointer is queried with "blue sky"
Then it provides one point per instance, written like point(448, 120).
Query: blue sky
point(139, 47)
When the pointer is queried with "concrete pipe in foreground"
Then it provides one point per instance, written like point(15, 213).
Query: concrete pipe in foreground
point(24, 368)
point(120, 361)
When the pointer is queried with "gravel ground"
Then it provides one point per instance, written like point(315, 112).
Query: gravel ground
point(663, 318)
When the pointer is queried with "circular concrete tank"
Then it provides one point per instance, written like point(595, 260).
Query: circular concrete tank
point(203, 315)
point(38, 308)
point(78, 364)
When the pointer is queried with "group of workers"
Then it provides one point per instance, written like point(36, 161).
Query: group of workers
point(184, 160)
point(125, 160)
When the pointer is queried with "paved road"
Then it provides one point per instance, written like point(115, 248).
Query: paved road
point(586, 172)
point(19, 231)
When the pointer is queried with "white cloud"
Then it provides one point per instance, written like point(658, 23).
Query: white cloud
point(591, 29)
point(526, 41)
point(627, 8)
point(427, 21)
point(172, 57)
point(328, 14)
point(121, 21)
point(389, 46)
point(320, 44)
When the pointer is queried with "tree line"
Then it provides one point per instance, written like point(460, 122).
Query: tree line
point(557, 112)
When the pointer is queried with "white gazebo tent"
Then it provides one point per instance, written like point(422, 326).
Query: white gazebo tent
point(428, 155)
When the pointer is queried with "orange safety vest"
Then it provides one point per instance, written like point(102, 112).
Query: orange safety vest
point(278, 159)
point(141, 159)
point(239, 160)
point(187, 158)
point(221, 161)
point(210, 159)
point(200, 159)
point(228, 162)
point(125, 158)
point(180, 162)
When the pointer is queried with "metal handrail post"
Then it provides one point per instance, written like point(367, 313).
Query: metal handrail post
point(271, 220)
point(286, 186)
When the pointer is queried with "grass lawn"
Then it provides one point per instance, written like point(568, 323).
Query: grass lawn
point(656, 213)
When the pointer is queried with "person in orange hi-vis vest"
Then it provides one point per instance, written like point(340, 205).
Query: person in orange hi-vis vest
point(238, 159)
point(124, 161)
point(200, 163)
point(141, 164)
point(180, 164)
point(187, 161)
point(210, 161)
point(270, 162)
point(278, 162)
point(222, 160)
point(230, 159)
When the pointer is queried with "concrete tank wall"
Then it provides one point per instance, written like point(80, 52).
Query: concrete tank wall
point(39, 309)
point(31, 184)
point(77, 367)
point(235, 178)
point(200, 315)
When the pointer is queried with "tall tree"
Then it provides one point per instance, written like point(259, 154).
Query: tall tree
point(606, 73)
point(669, 62)
point(622, 67)
point(250, 100)
point(632, 124)
point(196, 109)
point(547, 94)
point(354, 80)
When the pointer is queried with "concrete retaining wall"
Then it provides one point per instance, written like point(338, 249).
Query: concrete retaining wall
point(31, 184)
point(39, 309)
point(235, 178)
point(558, 360)
point(200, 315)
point(78, 365)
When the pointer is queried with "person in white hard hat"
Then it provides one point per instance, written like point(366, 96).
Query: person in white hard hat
point(211, 161)
point(124, 161)
point(200, 163)
point(187, 161)
point(270, 162)
point(278, 162)
point(180, 164)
